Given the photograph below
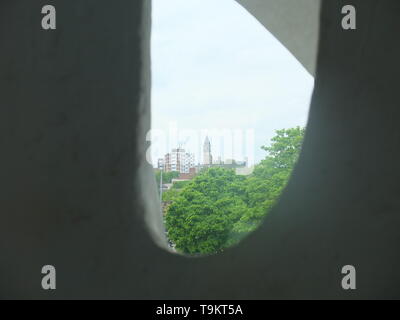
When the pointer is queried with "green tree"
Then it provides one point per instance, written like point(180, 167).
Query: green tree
point(180, 184)
point(199, 221)
point(285, 148)
point(166, 176)
point(170, 195)
point(218, 208)
point(269, 178)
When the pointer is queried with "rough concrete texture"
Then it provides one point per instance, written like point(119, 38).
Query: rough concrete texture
point(74, 110)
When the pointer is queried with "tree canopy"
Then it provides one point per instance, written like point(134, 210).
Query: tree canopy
point(166, 177)
point(218, 208)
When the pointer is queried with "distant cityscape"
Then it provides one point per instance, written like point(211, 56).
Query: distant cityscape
point(183, 162)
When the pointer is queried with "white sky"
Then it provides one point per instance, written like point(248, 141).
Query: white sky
point(214, 66)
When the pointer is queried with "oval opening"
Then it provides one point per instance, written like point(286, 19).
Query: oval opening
point(229, 108)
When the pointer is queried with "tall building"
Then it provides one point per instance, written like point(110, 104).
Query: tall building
point(207, 157)
point(179, 160)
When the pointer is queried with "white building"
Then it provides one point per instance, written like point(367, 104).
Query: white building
point(179, 160)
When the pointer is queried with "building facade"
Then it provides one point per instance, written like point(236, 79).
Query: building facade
point(178, 160)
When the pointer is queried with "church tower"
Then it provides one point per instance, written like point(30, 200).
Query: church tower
point(207, 157)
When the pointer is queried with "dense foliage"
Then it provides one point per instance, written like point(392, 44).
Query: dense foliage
point(180, 184)
point(218, 208)
point(166, 176)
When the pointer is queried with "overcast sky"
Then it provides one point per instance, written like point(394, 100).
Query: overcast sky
point(214, 66)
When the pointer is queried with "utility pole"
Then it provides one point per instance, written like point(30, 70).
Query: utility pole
point(161, 183)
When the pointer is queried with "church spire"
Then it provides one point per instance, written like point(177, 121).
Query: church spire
point(207, 157)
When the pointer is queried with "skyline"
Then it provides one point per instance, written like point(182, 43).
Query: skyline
point(211, 77)
point(208, 156)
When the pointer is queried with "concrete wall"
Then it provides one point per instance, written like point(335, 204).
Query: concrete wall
point(74, 109)
point(295, 23)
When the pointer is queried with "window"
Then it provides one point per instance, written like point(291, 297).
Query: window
point(229, 108)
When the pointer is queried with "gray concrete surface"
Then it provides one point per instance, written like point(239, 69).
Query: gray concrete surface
point(74, 109)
